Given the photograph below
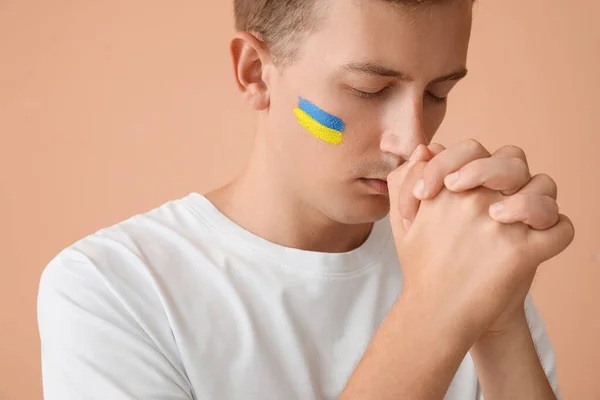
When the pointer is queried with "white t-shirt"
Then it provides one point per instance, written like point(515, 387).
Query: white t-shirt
point(182, 303)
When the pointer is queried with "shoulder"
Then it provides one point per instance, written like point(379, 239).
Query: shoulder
point(125, 262)
point(128, 249)
point(101, 313)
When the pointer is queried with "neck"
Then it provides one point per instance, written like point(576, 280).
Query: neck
point(262, 204)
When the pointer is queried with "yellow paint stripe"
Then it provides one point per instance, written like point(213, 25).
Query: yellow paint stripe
point(317, 129)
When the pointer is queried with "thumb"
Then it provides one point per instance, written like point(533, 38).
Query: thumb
point(549, 243)
point(395, 180)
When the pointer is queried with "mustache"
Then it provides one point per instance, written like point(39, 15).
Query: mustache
point(379, 169)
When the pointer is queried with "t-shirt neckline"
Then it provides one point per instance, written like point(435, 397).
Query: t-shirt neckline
point(303, 260)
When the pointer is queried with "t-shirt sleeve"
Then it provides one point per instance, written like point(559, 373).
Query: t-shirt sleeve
point(543, 345)
point(93, 346)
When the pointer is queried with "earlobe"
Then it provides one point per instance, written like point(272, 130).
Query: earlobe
point(250, 57)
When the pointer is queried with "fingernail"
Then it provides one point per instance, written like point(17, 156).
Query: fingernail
point(406, 224)
point(452, 179)
point(419, 189)
point(497, 209)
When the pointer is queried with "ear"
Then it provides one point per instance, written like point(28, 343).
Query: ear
point(251, 62)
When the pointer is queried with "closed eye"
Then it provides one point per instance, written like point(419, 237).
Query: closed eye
point(369, 95)
point(436, 99)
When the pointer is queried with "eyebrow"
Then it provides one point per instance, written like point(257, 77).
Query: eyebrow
point(372, 69)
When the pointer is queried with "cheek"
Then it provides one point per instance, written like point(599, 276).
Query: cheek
point(300, 148)
point(364, 130)
point(362, 135)
point(319, 154)
point(319, 123)
point(316, 161)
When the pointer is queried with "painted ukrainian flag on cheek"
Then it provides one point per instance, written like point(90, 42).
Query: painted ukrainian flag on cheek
point(319, 123)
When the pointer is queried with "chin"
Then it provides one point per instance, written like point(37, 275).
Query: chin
point(360, 209)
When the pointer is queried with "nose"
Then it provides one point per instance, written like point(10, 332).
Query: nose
point(405, 131)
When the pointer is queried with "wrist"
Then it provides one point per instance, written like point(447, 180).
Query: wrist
point(507, 325)
point(512, 332)
point(508, 365)
point(438, 318)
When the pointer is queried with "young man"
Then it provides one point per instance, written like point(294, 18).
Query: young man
point(293, 282)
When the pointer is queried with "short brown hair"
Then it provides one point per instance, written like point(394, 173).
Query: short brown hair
point(282, 23)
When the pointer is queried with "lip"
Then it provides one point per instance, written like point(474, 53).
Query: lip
point(379, 186)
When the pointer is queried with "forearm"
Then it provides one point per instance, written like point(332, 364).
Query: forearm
point(413, 355)
point(508, 366)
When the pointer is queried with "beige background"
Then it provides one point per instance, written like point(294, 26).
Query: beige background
point(110, 108)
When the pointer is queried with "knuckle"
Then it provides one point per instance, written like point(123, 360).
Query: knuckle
point(472, 142)
point(521, 165)
point(548, 182)
point(546, 215)
point(522, 173)
point(515, 151)
point(476, 147)
point(546, 179)
point(553, 207)
point(570, 228)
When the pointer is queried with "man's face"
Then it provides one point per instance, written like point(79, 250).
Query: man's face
point(384, 70)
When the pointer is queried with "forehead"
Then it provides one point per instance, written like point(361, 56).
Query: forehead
point(424, 40)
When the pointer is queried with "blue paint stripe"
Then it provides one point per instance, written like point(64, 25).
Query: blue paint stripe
point(321, 116)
